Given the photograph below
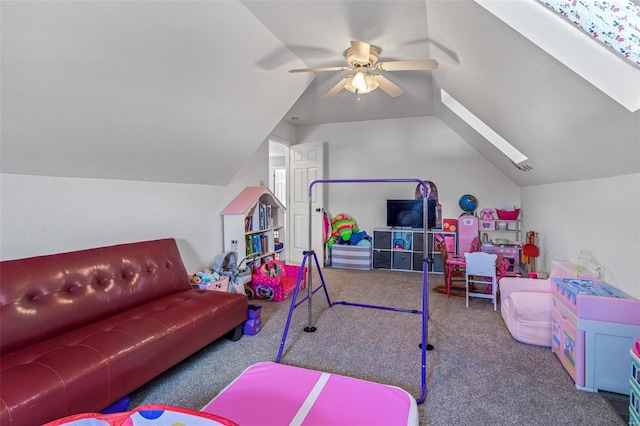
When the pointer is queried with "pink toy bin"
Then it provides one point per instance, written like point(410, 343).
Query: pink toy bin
point(508, 214)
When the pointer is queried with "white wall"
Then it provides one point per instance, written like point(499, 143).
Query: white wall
point(600, 216)
point(44, 215)
point(420, 147)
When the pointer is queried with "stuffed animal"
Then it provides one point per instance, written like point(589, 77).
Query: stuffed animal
point(487, 214)
point(195, 280)
point(208, 276)
point(343, 227)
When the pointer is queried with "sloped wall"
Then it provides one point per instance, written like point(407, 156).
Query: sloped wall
point(599, 215)
point(44, 215)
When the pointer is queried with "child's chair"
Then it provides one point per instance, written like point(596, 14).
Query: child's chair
point(276, 281)
point(481, 269)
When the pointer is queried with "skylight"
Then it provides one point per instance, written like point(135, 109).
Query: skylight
point(498, 141)
point(598, 64)
point(615, 23)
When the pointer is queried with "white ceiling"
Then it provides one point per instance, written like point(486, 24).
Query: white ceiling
point(319, 32)
point(186, 91)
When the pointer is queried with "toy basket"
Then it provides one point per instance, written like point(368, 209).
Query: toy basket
point(508, 214)
point(219, 285)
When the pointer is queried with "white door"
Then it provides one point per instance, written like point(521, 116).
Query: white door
point(280, 184)
point(306, 165)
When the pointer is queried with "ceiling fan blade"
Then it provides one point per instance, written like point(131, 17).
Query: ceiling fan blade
point(320, 69)
point(361, 51)
point(337, 88)
point(424, 64)
point(388, 86)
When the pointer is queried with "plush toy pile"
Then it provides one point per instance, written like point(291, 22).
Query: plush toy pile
point(206, 276)
point(344, 230)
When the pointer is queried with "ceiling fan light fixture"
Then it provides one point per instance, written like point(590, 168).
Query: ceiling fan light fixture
point(372, 83)
point(362, 82)
point(362, 59)
point(359, 81)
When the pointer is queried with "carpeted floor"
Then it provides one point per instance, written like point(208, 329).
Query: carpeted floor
point(477, 373)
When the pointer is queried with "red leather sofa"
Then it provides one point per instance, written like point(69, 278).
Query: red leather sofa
point(80, 330)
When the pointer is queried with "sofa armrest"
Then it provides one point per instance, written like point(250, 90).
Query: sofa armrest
point(509, 285)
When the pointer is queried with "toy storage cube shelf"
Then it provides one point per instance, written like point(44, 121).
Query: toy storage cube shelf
point(254, 222)
point(403, 249)
point(593, 326)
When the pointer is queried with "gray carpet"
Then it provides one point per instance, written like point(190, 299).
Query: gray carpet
point(477, 374)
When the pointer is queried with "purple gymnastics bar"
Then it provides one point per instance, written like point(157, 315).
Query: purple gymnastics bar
point(311, 291)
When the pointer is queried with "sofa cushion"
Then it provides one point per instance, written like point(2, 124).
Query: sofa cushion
point(46, 296)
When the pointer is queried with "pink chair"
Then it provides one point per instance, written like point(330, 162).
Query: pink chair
point(525, 304)
point(276, 281)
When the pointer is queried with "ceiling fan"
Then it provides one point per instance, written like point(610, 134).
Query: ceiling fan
point(363, 60)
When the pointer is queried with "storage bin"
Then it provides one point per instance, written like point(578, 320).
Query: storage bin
point(487, 225)
point(381, 240)
point(381, 259)
point(417, 262)
point(437, 263)
point(254, 323)
point(351, 257)
point(508, 214)
point(402, 260)
point(254, 311)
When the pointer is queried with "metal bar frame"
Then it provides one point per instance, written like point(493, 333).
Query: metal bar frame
point(311, 291)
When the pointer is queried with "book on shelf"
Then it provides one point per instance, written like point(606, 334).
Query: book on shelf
point(261, 214)
point(269, 217)
point(249, 244)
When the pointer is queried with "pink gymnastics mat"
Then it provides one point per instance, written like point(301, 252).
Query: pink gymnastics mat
point(274, 394)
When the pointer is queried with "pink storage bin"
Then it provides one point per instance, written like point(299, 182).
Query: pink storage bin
point(508, 214)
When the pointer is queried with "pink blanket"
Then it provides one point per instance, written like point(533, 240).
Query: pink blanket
point(276, 394)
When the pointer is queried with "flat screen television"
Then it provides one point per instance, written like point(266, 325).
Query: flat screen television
point(405, 213)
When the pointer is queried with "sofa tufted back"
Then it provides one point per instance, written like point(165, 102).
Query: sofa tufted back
point(45, 296)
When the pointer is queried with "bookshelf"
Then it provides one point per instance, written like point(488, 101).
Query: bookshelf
point(254, 223)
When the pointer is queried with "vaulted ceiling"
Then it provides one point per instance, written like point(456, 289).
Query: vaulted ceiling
point(186, 91)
